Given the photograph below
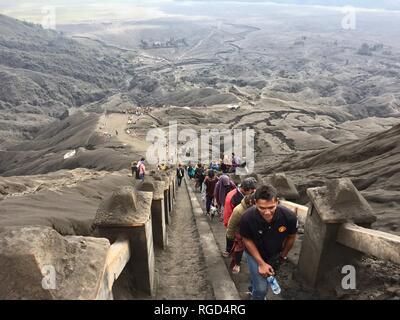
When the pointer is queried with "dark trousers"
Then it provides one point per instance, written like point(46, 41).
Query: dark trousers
point(209, 200)
point(229, 244)
point(179, 181)
point(237, 256)
point(201, 183)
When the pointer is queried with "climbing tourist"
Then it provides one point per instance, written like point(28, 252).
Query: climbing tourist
point(199, 176)
point(226, 164)
point(180, 173)
point(134, 169)
point(214, 166)
point(210, 182)
point(191, 171)
point(248, 186)
point(141, 169)
point(232, 232)
point(269, 232)
point(235, 162)
point(233, 198)
point(222, 188)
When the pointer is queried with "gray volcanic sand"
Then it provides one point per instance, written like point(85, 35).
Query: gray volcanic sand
point(182, 273)
point(66, 200)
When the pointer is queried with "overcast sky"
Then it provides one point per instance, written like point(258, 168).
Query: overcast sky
point(104, 10)
point(83, 10)
point(379, 4)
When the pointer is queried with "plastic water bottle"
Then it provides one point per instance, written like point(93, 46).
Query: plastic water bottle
point(276, 289)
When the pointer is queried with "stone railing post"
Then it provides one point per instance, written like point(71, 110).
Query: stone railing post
point(127, 214)
point(155, 185)
point(167, 204)
point(285, 186)
point(37, 263)
point(322, 257)
point(251, 175)
point(174, 183)
point(170, 190)
point(172, 176)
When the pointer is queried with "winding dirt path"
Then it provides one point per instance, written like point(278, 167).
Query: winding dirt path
point(117, 123)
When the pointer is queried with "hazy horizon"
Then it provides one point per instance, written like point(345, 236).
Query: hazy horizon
point(104, 10)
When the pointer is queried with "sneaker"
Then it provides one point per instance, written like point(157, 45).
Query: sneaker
point(225, 254)
point(236, 269)
point(249, 291)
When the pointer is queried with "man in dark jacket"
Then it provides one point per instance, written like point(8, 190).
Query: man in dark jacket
point(199, 176)
point(180, 173)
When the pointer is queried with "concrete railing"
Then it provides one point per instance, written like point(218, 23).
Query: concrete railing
point(117, 257)
point(299, 210)
point(133, 221)
point(382, 245)
point(136, 221)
